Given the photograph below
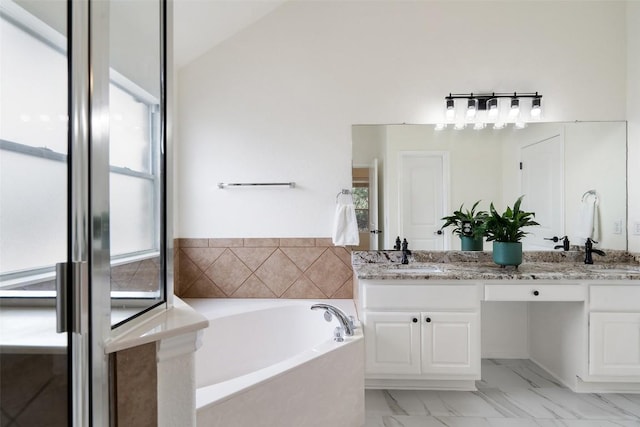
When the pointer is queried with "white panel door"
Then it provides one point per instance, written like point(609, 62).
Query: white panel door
point(614, 344)
point(392, 342)
point(422, 192)
point(374, 226)
point(542, 168)
point(451, 343)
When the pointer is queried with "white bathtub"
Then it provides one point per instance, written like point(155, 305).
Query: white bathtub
point(275, 363)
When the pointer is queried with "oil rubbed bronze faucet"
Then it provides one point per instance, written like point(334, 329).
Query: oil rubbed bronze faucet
point(588, 250)
point(405, 251)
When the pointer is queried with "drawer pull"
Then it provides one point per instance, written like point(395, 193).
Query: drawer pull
point(536, 293)
point(415, 320)
point(428, 319)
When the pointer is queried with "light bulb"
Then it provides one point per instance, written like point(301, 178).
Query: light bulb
point(493, 107)
point(459, 126)
point(440, 126)
point(479, 126)
point(515, 108)
point(520, 125)
point(499, 125)
point(450, 112)
point(536, 108)
point(471, 108)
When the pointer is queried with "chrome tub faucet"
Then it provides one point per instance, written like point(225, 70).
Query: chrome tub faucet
point(347, 323)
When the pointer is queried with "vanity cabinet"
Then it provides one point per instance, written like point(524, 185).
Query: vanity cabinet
point(426, 343)
point(392, 343)
point(451, 343)
point(614, 331)
point(421, 334)
point(614, 344)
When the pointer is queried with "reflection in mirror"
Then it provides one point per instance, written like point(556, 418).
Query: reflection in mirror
point(425, 174)
point(135, 158)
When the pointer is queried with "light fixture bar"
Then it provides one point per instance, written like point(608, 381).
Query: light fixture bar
point(485, 98)
point(486, 108)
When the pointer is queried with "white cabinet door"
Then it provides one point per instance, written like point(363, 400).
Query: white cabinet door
point(614, 344)
point(392, 343)
point(451, 343)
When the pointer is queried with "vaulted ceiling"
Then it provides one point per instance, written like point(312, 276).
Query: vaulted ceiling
point(199, 25)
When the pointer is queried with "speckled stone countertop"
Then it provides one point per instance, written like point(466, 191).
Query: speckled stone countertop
point(458, 265)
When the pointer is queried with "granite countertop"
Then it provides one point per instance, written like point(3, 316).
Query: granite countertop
point(458, 265)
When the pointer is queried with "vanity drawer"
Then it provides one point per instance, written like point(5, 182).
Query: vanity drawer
point(614, 298)
point(534, 292)
point(421, 297)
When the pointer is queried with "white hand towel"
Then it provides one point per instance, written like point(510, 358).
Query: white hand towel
point(345, 225)
point(588, 222)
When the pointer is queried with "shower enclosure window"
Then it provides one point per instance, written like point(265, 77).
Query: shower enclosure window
point(33, 144)
point(33, 155)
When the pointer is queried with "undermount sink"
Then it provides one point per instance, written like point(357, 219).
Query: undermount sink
point(414, 269)
point(632, 269)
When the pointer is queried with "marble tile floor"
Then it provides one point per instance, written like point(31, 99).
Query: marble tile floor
point(512, 393)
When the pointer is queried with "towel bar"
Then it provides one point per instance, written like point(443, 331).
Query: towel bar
point(222, 185)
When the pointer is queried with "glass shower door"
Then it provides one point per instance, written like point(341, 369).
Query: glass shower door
point(34, 232)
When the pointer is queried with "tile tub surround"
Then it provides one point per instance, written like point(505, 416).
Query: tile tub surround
point(262, 268)
point(512, 393)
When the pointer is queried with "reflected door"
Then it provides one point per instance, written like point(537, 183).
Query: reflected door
point(422, 192)
point(542, 168)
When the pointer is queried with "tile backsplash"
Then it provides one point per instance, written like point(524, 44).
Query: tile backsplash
point(262, 268)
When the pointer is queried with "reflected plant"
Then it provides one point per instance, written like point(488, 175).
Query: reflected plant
point(465, 222)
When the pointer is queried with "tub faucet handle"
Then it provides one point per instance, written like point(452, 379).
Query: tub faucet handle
point(338, 334)
point(329, 311)
point(352, 322)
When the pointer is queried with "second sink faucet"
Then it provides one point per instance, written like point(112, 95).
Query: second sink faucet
point(588, 250)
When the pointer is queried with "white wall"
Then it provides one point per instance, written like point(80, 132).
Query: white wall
point(277, 101)
point(633, 117)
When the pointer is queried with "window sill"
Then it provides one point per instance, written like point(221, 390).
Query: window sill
point(28, 330)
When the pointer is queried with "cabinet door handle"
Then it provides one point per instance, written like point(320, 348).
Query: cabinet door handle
point(415, 320)
point(428, 319)
point(536, 293)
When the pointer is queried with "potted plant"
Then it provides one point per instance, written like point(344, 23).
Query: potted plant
point(506, 231)
point(469, 225)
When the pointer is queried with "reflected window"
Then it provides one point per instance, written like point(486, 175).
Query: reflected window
point(33, 153)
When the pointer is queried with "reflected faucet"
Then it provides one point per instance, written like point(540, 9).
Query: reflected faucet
point(565, 242)
point(345, 322)
point(405, 251)
point(588, 249)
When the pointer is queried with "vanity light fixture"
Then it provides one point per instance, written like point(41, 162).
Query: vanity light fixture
point(536, 107)
point(493, 107)
point(487, 108)
point(451, 109)
point(472, 108)
point(515, 108)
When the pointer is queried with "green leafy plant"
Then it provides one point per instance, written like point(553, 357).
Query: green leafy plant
point(468, 223)
point(508, 226)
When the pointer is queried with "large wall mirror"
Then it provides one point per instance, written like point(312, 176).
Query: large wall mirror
point(422, 174)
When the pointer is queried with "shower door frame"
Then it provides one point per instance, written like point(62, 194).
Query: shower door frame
point(88, 213)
